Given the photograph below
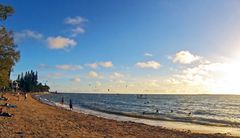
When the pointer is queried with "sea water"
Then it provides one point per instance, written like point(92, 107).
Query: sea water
point(209, 110)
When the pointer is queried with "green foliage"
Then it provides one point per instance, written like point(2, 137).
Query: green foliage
point(29, 83)
point(5, 11)
point(8, 53)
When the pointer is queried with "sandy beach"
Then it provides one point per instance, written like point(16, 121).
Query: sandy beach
point(34, 119)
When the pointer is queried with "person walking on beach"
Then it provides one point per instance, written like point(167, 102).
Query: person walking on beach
point(70, 104)
point(18, 95)
point(25, 96)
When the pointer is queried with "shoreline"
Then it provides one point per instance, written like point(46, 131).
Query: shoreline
point(169, 124)
point(35, 119)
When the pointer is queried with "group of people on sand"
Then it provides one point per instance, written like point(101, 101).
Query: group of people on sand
point(5, 105)
point(70, 103)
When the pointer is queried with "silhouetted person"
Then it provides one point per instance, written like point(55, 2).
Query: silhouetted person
point(171, 111)
point(157, 111)
point(15, 86)
point(62, 101)
point(70, 104)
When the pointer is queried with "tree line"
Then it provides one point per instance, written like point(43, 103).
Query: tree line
point(28, 82)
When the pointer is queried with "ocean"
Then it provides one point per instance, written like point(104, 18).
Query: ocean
point(211, 110)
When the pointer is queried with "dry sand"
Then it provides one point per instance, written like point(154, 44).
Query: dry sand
point(34, 119)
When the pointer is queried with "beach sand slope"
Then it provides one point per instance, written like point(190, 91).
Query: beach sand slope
point(34, 119)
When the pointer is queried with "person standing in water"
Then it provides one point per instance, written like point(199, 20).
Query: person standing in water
point(62, 101)
point(70, 104)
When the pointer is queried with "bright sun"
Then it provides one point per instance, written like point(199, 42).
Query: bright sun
point(228, 80)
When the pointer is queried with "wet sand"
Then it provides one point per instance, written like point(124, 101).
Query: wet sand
point(34, 119)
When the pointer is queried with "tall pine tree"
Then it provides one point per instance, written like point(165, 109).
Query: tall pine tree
point(29, 82)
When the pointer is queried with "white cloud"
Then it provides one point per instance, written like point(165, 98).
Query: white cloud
point(201, 75)
point(55, 75)
point(107, 64)
point(20, 36)
point(116, 75)
point(43, 66)
point(93, 74)
point(93, 65)
point(60, 42)
point(75, 20)
point(78, 30)
point(185, 57)
point(76, 79)
point(148, 55)
point(78, 23)
point(69, 67)
point(149, 64)
point(33, 34)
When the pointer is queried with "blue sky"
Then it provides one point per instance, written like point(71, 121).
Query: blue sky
point(128, 45)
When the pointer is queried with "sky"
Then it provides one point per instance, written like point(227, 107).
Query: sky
point(130, 46)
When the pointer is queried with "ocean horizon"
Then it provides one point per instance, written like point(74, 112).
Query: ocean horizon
point(142, 93)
